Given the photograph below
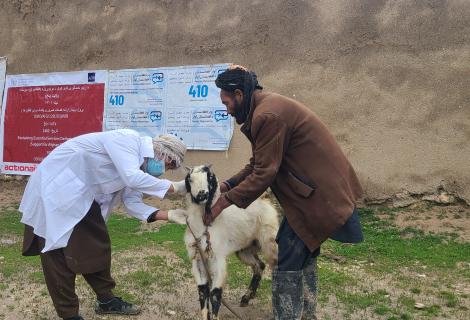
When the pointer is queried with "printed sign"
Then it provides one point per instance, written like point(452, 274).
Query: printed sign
point(183, 101)
point(41, 111)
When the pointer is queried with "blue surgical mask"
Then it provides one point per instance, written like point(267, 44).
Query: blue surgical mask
point(155, 167)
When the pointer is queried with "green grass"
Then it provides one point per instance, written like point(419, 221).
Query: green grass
point(450, 299)
point(385, 247)
point(10, 222)
point(385, 252)
point(382, 309)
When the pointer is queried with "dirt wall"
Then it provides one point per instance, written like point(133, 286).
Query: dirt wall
point(390, 78)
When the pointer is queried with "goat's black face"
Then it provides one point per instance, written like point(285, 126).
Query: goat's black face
point(201, 183)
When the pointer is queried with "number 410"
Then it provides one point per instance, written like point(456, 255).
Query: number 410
point(198, 91)
point(116, 100)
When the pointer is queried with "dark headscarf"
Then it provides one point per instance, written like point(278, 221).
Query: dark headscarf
point(246, 81)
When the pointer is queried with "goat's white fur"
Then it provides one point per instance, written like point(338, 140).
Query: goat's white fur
point(245, 231)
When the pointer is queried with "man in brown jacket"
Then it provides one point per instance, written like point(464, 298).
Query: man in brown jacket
point(294, 153)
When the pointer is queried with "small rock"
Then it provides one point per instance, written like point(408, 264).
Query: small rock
point(171, 312)
point(419, 305)
point(407, 235)
point(402, 199)
point(6, 177)
point(442, 198)
point(421, 275)
point(7, 241)
point(1, 257)
point(339, 259)
point(445, 198)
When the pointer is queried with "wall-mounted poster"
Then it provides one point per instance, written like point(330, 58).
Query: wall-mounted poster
point(40, 111)
point(183, 101)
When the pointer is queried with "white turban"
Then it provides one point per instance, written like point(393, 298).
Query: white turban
point(169, 147)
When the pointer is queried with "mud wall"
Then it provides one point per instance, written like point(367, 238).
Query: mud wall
point(391, 78)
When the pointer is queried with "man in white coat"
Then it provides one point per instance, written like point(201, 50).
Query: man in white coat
point(69, 197)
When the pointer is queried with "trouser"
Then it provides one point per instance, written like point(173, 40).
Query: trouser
point(294, 280)
point(60, 281)
point(88, 252)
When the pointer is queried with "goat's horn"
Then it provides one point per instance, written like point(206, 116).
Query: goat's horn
point(209, 165)
point(188, 168)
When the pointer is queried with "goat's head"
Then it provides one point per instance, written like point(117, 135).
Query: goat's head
point(201, 183)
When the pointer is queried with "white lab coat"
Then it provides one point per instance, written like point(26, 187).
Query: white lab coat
point(102, 166)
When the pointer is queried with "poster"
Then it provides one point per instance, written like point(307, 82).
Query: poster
point(183, 101)
point(41, 111)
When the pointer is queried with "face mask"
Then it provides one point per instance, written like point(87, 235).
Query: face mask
point(155, 167)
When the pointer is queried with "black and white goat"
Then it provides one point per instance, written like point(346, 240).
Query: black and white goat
point(245, 232)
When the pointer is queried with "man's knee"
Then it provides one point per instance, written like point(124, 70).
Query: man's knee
point(293, 254)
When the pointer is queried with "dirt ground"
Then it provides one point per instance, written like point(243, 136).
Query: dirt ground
point(32, 302)
point(29, 300)
point(11, 192)
point(445, 219)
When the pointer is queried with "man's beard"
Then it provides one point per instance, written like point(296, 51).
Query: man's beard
point(238, 113)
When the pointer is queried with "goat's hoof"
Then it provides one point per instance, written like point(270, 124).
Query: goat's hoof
point(245, 301)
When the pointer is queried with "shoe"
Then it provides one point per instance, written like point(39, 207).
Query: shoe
point(74, 318)
point(116, 306)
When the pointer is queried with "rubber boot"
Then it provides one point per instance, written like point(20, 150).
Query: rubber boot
point(287, 295)
point(309, 275)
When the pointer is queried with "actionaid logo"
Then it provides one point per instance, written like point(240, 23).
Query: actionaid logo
point(19, 168)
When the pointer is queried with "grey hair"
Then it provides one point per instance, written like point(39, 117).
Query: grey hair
point(168, 146)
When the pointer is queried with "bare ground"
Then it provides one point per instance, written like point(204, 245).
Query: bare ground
point(26, 297)
point(451, 219)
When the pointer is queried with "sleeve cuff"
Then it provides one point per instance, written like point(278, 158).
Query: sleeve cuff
point(230, 183)
point(152, 217)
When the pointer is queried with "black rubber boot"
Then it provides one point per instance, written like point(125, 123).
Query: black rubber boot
point(116, 306)
point(310, 290)
point(74, 318)
point(288, 295)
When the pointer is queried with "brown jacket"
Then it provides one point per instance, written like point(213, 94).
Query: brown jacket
point(295, 154)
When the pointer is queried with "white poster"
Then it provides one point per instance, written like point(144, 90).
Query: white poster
point(183, 101)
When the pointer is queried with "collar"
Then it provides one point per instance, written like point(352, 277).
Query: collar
point(246, 127)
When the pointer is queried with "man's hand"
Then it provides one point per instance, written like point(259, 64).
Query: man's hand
point(216, 209)
point(178, 187)
point(178, 216)
point(158, 215)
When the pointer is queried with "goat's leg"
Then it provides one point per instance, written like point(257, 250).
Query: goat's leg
point(219, 265)
point(200, 276)
point(249, 257)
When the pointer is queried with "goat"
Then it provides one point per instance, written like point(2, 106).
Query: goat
point(245, 232)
